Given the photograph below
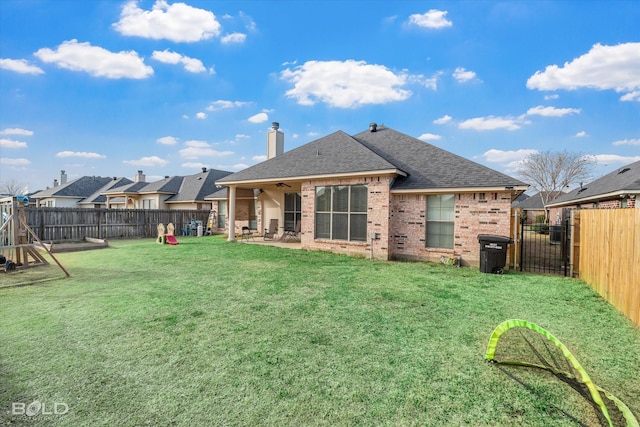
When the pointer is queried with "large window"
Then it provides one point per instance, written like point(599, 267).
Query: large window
point(440, 216)
point(292, 210)
point(341, 212)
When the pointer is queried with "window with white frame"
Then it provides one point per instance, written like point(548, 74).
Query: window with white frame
point(341, 212)
point(148, 204)
point(440, 218)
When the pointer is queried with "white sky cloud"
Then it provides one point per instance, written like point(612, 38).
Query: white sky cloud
point(552, 96)
point(201, 115)
point(434, 19)
point(429, 137)
point(492, 123)
point(627, 142)
point(21, 66)
point(551, 111)
point(631, 96)
point(196, 149)
point(233, 38)
point(223, 105)
point(502, 156)
point(259, 118)
point(442, 120)
point(463, 76)
point(16, 131)
point(167, 140)
point(191, 65)
point(198, 165)
point(602, 68)
point(614, 158)
point(96, 61)
point(11, 143)
point(581, 134)
point(177, 22)
point(260, 158)
point(345, 84)
point(14, 162)
point(83, 154)
point(148, 161)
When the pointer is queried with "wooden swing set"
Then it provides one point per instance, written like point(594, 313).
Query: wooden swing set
point(17, 238)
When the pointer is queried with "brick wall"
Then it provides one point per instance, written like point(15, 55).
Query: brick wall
point(399, 222)
point(377, 218)
point(473, 216)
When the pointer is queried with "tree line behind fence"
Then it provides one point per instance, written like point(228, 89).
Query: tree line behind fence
point(58, 224)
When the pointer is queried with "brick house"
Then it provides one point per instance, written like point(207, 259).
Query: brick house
point(379, 193)
point(618, 189)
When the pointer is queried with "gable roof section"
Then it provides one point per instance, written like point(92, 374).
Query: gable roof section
point(197, 187)
point(132, 188)
point(98, 195)
point(418, 165)
point(337, 153)
point(625, 180)
point(535, 202)
point(170, 185)
point(430, 167)
point(78, 188)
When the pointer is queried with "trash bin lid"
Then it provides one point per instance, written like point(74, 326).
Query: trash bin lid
point(494, 238)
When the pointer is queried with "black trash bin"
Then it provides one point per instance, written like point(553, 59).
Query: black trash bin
point(555, 234)
point(493, 253)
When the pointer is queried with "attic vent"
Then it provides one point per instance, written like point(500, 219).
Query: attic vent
point(623, 170)
point(204, 169)
point(373, 127)
point(581, 189)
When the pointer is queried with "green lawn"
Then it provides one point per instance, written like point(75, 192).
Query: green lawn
point(230, 334)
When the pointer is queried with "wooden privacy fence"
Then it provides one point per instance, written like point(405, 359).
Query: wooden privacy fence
point(609, 251)
point(58, 224)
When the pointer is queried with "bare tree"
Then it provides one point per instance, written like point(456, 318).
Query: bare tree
point(550, 172)
point(13, 188)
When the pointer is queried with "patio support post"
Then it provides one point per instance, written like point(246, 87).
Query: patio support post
point(232, 213)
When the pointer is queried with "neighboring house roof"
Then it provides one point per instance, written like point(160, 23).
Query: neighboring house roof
point(79, 188)
point(621, 182)
point(197, 187)
point(189, 188)
point(521, 198)
point(536, 202)
point(418, 165)
point(99, 197)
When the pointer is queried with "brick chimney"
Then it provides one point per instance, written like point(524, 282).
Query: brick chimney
point(275, 141)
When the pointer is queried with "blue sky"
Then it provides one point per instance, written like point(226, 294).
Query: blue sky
point(107, 88)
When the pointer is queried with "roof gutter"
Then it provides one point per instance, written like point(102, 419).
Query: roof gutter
point(440, 190)
point(596, 198)
point(309, 177)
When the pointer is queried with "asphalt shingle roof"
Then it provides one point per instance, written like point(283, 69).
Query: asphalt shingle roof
point(198, 186)
point(426, 166)
point(81, 187)
point(333, 154)
point(624, 179)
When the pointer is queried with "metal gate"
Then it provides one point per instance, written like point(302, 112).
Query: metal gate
point(544, 248)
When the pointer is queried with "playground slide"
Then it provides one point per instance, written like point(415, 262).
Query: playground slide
point(171, 239)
